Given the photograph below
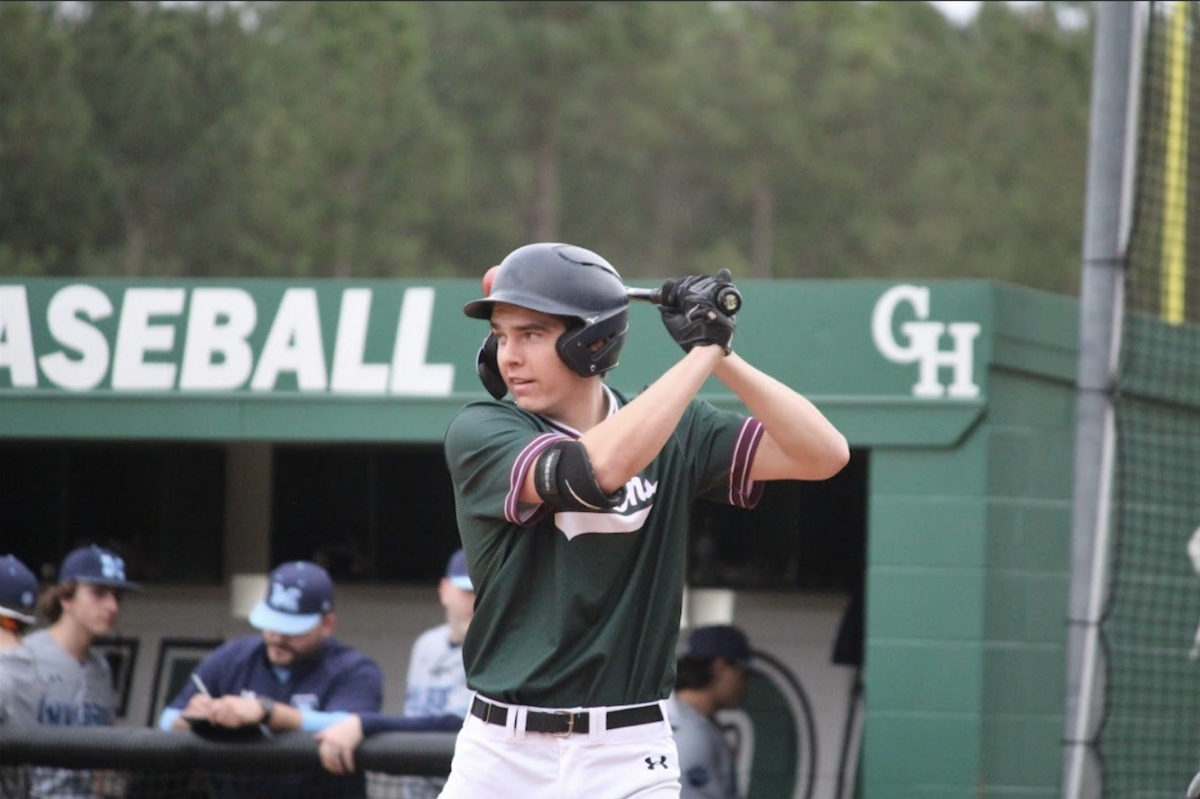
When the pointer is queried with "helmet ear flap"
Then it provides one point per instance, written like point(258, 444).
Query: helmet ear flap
point(592, 349)
point(488, 368)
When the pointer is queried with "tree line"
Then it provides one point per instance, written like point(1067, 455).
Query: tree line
point(405, 139)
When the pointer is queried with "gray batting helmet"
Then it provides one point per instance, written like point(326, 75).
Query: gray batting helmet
point(566, 281)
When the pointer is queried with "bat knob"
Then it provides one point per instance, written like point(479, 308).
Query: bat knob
point(729, 301)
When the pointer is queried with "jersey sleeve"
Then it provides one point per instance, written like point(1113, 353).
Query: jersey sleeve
point(18, 686)
point(373, 723)
point(489, 448)
point(697, 776)
point(720, 447)
point(359, 688)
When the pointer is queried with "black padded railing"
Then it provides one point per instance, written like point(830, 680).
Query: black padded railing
point(148, 749)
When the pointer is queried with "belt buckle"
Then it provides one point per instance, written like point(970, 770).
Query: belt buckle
point(570, 714)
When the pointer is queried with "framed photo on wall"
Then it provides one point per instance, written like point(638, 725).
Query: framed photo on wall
point(121, 654)
point(177, 659)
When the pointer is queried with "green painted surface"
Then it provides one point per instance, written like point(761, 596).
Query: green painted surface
point(1022, 755)
point(923, 603)
point(925, 677)
point(934, 532)
point(971, 439)
point(911, 755)
point(1027, 534)
point(969, 581)
point(75, 347)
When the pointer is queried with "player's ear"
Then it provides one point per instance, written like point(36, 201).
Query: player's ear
point(488, 367)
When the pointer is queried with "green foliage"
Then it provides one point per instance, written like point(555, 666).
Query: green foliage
point(55, 200)
point(362, 139)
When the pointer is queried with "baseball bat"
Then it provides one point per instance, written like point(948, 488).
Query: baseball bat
point(728, 298)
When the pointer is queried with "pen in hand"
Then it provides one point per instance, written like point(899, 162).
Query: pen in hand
point(199, 683)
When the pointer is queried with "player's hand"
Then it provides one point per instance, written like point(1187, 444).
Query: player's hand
point(198, 707)
point(690, 312)
point(235, 711)
point(338, 742)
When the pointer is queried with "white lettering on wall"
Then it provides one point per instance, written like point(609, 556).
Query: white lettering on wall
point(350, 374)
point(411, 375)
point(294, 344)
point(138, 336)
point(16, 337)
point(216, 353)
point(65, 320)
point(215, 345)
point(921, 344)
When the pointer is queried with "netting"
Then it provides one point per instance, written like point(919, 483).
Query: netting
point(1149, 739)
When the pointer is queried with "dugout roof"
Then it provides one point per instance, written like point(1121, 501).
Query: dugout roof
point(392, 360)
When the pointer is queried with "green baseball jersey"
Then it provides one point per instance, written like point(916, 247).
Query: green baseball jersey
point(577, 609)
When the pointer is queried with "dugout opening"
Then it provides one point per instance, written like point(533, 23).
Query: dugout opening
point(371, 514)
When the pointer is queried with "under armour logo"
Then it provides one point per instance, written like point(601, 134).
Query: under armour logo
point(652, 764)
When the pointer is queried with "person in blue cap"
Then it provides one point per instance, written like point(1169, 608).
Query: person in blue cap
point(18, 601)
point(55, 677)
point(710, 675)
point(18, 606)
point(436, 695)
point(295, 675)
point(291, 677)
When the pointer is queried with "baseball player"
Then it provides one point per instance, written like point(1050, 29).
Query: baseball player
point(294, 675)
point(18, 602)
point(436, 695)
point(55, 677)
point(572, 503)
point(711, 675)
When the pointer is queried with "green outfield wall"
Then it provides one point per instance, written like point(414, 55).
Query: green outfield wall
point(961, 391)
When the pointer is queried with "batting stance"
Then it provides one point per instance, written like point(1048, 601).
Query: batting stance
point(572, 504)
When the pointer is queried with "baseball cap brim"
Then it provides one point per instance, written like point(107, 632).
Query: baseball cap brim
point(122, 584)
point(13, 614)
point(267, 618)
point(463, 582)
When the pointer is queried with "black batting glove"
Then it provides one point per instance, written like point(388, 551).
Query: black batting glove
point(691, 314)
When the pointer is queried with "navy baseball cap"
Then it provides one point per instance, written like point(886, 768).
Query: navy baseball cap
point(18, 590)
point(298, 595)
point(718, 641)
point(95, 565)
point(456, 571)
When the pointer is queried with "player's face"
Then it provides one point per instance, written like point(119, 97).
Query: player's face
point(529, 363)
point(459, 605)
point(93, 608)
point(731, 682)
point(286, 650)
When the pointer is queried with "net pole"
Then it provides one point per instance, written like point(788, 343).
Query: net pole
point(1106, 234)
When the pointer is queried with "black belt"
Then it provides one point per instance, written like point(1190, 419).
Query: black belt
point(565, 722)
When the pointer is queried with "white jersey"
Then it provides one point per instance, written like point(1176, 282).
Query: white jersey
point(40, 683)
point(706, 765)
point(437, 686)
point(437, 680)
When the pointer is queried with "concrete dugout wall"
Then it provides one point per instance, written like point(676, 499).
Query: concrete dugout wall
point(961, 391)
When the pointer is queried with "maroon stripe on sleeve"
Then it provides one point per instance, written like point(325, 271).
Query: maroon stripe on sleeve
point(744, 492)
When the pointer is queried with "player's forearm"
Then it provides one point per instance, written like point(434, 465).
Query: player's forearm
point(800, 443)
point(626, 442)
point(284, 717)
